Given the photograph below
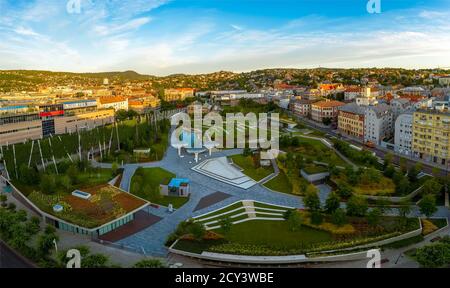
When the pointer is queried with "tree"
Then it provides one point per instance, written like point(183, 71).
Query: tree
point(3, 199)
point(344, 190)
point(338, 217)
point(226, 224)
point(432, 186)
point(389, 171)
point(332, 203)
point(388, 159)
point(72, 173)
point(357, 206)
point(48, 184)
point(311, 199)
point(404, 209)
point(95, 261)
point(65, 182)
point(197, 230)
point(403, 165)
point(401, 184)
point(295, 221)
point(115, 168)
point(327, 120)
point(414, 171)
point(149, 263)
point(46, 242)
point(28, 175)
point(434, 256)
point(428, 205)
point(374, 217)
point(316, 218)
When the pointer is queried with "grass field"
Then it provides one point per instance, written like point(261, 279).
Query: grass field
point(145, 184)
point(275, 234)
point(280, 183)
point(246, 163)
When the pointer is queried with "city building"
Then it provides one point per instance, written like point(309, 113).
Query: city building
point(19, 125)
point(404, 134)
point(325, 109)
point(400, 105)
point(178, 94)
point(431, 131)
point(351, 120)
point(352, 93)
point(378, 122)
point(367, 97)
point(144, 103)
point(302, 107)
point(444, 81)
point(115, 102)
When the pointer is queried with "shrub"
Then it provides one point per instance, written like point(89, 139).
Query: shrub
point(428, 227)
point(295, 221)
point(332, 203)
point(338, 217)
point(316, 218)
point(374, 217)
point(149, 263)
point(357, 206)
point(428, 205)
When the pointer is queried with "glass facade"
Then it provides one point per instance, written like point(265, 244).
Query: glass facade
point(112, 226)
point(115, 224)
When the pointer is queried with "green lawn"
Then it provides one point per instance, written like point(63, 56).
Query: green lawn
point(145, 184)
point(176, 202)
point(314, 169)
point(280, 183)
point(275, 234)
point(246, 163)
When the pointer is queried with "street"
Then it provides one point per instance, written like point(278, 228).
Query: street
point(9, 259)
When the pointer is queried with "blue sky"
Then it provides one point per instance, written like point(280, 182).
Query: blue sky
point(162, 37)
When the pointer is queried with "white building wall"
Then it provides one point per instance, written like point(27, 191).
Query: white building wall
point(403, 134)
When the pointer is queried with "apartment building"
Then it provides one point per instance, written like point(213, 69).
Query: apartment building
point(302, 107)
point(378, 123)
point(400, 106)
point(178, 94)
point(114, 102)
point(404, 134)
point(431, 141)
point(351, 120)
point(325, 109)
point(143, 104)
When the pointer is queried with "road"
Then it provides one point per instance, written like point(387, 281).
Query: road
point(10, 259)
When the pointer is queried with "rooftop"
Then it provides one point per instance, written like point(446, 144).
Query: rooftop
point(177, 182)
point(329, 103)
point(353, 108)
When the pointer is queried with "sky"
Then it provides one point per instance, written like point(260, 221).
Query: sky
point(161, 37)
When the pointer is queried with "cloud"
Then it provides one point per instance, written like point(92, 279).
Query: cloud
point(105, 30)
point(123, 35)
